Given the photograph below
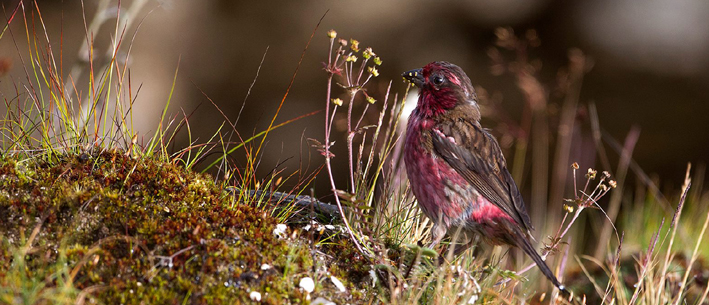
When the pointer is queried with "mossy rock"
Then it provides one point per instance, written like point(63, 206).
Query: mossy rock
point(124, 230)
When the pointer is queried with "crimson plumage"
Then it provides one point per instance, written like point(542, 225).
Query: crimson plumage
point(456, 168)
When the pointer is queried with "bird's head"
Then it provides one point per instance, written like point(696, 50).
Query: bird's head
point(442, 86)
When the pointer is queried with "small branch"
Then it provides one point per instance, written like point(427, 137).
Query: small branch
point(304, 201)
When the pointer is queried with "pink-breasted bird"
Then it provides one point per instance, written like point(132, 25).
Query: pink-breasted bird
point(456, 168)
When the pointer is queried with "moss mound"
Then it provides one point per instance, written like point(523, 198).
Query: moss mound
point(122, 230)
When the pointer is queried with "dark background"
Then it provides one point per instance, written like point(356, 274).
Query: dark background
point(650, 61)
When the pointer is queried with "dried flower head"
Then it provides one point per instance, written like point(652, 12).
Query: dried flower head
point(331, 34)
point(613, 183)
point(368, 53)
point(371, 100)
point(337, 101)
point(373, 71)
point(377, 61)
point(352, 58)
point(568, 208)
point(354, 45)
point(533, 38)
point(591, 174)
point(603, 187)
point(606, 174)
point(575, 165)
point(342, 42)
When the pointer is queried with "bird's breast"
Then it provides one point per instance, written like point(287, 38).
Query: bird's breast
point(442, 194)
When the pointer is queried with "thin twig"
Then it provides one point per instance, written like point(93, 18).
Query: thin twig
point(302, 200)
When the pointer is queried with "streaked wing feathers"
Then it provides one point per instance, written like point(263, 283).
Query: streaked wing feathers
point(478, 158)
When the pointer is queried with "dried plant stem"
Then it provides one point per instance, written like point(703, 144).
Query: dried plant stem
point(673, 227)
point(614, 206)
point(645, 263)
point(577, 67)
point(123, 21)
point(328, 155)
point(695, 254)
point(84, 59)
point(540, 166)
point(639, 172)
point(597, 138)
point(328, 165)
point(350, 139)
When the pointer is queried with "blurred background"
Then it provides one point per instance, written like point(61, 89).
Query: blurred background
point(650, 65)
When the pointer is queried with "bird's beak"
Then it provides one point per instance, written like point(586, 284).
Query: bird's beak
point(414, 76)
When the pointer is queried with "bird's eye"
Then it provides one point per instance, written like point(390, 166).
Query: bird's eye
point(438, 80)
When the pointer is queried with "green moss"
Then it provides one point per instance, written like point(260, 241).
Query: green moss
point(139, 230)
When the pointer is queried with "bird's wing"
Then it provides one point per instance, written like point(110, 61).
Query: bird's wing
point(476, 155)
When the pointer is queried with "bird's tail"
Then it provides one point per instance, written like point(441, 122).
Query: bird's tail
point(527, 247)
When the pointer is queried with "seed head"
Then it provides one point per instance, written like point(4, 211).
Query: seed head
point(354, 45)
point(331, 34)
point(568, 208)
point(368, 53)
point(591, 174)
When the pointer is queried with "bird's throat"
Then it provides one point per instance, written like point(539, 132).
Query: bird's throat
point(433, 103)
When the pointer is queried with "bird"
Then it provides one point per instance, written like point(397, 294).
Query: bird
point(456, 168)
